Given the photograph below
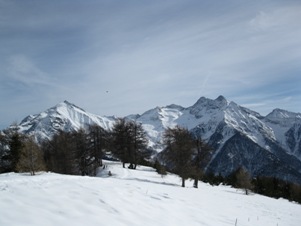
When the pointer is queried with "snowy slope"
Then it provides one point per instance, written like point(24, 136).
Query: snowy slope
point(287, 128)
point(129, 197)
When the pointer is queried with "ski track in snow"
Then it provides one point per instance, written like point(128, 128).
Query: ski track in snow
point(133, 197)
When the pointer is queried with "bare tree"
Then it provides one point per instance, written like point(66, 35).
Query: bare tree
point(200, 159)
point(31, 157)
point(243, 180)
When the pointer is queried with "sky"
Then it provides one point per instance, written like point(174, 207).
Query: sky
point(125, 57)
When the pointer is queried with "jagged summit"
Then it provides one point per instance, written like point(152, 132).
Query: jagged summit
point(220, 101)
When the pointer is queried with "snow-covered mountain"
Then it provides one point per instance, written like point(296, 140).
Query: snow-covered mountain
point(268, 145)
point(64, 116)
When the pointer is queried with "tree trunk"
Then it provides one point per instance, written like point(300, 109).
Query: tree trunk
point(123, 164)
point(195, 184)
point(183, 182)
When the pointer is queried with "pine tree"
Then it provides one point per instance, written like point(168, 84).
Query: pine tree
point(4, 154)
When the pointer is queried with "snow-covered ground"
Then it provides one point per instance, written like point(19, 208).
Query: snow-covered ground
point(133, 197)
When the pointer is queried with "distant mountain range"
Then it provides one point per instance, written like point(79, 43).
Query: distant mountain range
point(264, 145)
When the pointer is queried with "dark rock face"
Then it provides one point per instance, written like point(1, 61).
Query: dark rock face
point(240, 151)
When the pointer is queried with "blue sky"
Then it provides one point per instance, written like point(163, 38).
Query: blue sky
point(148, 54)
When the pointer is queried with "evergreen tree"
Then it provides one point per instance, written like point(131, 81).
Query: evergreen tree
point(12, 142)
point(5, 165)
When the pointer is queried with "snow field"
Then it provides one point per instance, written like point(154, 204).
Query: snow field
point(133, 197)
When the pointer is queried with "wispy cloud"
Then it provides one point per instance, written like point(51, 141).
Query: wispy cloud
point(21, 69)
point(150, 53)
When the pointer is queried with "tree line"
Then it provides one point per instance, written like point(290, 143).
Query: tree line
point(77, 152)
point(19, 152)
point(267, 186)
point(81, 152)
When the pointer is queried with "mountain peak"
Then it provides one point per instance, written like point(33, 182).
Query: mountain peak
point(283, 114)
point(68, 104)
point(221, 98)
point(220, 101)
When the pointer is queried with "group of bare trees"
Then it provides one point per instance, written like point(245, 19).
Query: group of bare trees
point(19, 153)
point(81, 152)
point(78, 152)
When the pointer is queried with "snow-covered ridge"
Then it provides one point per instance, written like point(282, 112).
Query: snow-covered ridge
point(206, 114)
point(222, 123)
point(63, 116)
